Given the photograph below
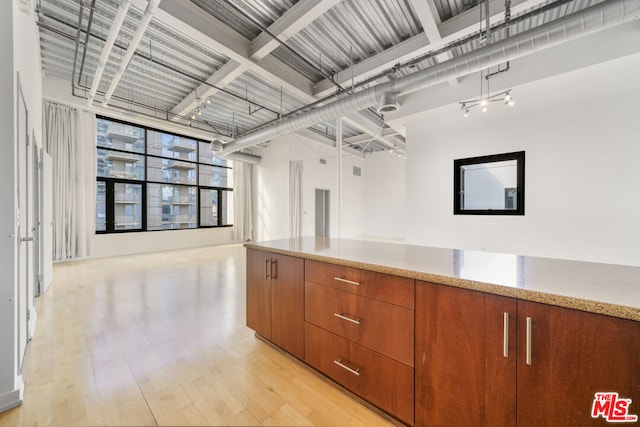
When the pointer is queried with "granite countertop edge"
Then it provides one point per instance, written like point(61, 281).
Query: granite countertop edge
point(598, 307)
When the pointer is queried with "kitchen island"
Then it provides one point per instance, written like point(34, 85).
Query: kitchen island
point(438, 336)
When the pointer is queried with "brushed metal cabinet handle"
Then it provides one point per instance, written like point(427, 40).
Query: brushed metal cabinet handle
point(349, 319)
point(274, 268)
point(528, 350)
point(267, 269)
point(342, 365)
point(351, 282)
point(505, 338)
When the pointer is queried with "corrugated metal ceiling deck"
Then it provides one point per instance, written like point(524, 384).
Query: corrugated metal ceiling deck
point(170, 65)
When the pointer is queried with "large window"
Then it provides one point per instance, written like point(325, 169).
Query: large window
point(152, 180)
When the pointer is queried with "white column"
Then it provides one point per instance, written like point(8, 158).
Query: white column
point(339, 174)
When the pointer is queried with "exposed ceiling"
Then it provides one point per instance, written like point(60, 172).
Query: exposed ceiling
point(232, 66)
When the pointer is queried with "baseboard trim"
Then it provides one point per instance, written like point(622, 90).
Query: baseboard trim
point(11, 399)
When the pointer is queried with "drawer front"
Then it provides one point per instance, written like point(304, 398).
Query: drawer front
point(385, 328)
point(383, 382)
point(382, 287)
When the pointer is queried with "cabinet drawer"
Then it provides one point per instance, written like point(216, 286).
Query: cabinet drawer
point(384, 382)
point(379, 286)
point(385, 328)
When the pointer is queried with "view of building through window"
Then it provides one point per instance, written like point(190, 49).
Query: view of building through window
point(152, 180)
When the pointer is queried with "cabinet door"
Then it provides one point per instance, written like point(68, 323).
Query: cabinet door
point(462, 375)
point(574, 355)
point(287, 303)
point(259, 292)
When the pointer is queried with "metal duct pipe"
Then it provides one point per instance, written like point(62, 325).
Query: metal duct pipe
point(244, 157)
point(123, 8)
point(133, 45)
point(590, 20)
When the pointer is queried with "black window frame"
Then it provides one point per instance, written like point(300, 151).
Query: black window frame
point(458, 191)
point(111, 181)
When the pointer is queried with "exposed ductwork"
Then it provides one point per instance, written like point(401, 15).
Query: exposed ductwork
point(244, 157)
point(388, 103)
point(123, 8)
point(590, 20)
point(133, 45)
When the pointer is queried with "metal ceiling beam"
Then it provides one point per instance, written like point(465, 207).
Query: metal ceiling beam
point(358, 139)
point(451, 30)
point(361, 123)
point(587, 21)
point(191, 21)
point(225, 75)
point(116, 25)
point(331, 142)
point(295, 19)
point(133, 45)
point(427, 14)
point(430, 20)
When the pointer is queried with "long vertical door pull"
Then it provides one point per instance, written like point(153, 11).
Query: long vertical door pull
point(267, 269)
point(528, 350)
point(505, 338)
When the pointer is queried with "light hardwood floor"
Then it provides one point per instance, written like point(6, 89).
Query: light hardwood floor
point(160, 339)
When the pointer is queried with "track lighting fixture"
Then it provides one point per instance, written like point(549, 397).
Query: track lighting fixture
point(483, 102)
point(400, 154)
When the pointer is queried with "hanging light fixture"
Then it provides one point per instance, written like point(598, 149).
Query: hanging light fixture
point(485, 98)
point(484, 101)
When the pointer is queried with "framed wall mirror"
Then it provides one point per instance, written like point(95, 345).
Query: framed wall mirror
point(489, 185)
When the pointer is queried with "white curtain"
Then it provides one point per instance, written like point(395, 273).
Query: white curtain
point(295, 198)
point(70, 138)
point(242, 206)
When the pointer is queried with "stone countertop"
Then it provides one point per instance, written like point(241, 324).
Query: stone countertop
point(608, 289)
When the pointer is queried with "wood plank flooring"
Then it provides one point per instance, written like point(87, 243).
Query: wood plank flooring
point(160, 339)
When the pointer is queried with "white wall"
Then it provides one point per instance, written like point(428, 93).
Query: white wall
point(19, 46)
point(581, 135)
point(9, 390)
point(108, 245)
point(271, 188)
point(385, 197)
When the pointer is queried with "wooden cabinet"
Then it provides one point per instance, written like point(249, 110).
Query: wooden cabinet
point(384, 382)
point(275, 299)
point(464, 376)
point(382, 287)
point(360, 332)
point(383, 327)
point(573, 355)
point(541, 366)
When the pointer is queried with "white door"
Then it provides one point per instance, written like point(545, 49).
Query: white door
point(322, 212)
point(24, 232)
point(38, 265)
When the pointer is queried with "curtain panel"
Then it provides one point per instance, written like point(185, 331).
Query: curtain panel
point(70, 139)
point(242, 209)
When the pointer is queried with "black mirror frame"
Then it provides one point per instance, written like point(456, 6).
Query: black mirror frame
point(518, 156)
